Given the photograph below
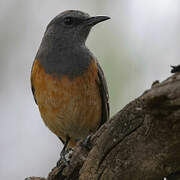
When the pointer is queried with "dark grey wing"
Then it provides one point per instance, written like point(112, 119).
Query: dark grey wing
point(104, 95)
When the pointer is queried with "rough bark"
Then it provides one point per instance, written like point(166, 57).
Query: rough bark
point(141, 142)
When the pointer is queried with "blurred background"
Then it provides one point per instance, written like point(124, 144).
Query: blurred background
point(135, 48)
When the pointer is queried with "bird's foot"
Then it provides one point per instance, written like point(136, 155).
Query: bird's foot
point(65, 157)
point(87, 142)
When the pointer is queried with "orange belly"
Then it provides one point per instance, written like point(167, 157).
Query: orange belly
point(68, 107)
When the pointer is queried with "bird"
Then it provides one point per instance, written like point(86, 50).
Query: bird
point(67, 82)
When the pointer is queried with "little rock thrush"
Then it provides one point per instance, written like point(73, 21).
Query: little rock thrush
point(67, 82)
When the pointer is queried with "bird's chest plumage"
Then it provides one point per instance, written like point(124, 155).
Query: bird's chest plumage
point(69, 107)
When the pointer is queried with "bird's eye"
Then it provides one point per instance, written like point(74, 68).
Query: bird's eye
point(68, 21)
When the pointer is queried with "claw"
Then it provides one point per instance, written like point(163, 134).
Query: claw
point(87, 142)
point(65, 157)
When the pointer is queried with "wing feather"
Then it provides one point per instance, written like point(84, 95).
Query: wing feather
point(104, 95)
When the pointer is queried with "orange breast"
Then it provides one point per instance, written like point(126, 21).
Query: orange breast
point(68, 107)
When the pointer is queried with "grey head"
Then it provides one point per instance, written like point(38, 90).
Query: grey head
point(62, 50)
point(72, 26)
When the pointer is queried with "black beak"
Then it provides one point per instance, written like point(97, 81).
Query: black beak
point(95, 20)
